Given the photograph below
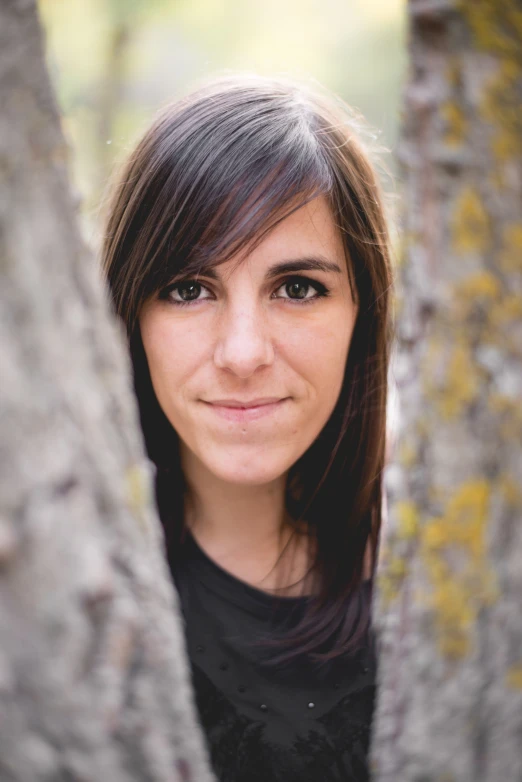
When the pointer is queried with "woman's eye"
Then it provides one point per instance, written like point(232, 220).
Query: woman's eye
point(298, 289)
point(186, 292)
point(302, 289)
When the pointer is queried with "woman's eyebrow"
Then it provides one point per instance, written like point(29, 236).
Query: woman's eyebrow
point(307, 263)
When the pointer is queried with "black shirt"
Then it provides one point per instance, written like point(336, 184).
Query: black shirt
point(294, 724)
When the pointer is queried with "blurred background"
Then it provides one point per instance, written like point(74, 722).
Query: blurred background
point(114, 63)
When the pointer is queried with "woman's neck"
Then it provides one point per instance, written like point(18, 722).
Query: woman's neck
point(225, 512)
point(244, 529)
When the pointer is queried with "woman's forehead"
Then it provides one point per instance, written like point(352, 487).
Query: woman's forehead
point(308, 239)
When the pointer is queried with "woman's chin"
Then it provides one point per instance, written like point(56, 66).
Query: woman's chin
point(247, 472)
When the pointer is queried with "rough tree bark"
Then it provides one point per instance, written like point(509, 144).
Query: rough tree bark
point(93, 675)
point(449, 609)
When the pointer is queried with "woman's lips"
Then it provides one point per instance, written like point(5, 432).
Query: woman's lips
point(243, 414)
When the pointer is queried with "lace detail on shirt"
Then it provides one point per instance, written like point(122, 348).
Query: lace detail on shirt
point(334, 749)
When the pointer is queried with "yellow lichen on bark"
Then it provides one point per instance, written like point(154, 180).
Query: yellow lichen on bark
point(514, 676)
point(496, 28)
point(483, 284)
point(407, 455)
point(407, 520)
point(499, 311)
point(455, 386)
point(136, 482)
point(456, 122)
point(510, 256)
point(509, 411)
point(502, 320)
point(483, 25)
point(392, 572)
point(480, 288)
point(507, 310)
point(455, 132)
point(484, 293)
point(459, 590)
point(471, 231)
point(491, 22)
point(454, 71)
point(510, 490)
point(500, 106)
point(394, 564)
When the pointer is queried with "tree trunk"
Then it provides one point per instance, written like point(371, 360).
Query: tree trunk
point(94, 679)
point(449, 604)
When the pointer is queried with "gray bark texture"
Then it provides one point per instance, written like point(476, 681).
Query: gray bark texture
point(449, 604)
point(94, 681)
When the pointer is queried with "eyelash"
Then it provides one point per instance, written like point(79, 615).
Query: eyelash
point(321, 291)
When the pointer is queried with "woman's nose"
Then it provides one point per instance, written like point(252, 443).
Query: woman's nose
point(243, 342)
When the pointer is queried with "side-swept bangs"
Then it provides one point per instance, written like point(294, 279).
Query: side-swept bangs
point(212, 176)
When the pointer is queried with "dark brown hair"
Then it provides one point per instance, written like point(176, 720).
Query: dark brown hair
point(213, 174)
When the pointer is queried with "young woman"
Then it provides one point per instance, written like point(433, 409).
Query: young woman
point(246, 251)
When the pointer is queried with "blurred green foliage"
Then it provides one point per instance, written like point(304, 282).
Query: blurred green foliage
point(115, 62)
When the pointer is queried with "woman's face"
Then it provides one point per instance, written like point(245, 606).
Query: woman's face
point(275, 330)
